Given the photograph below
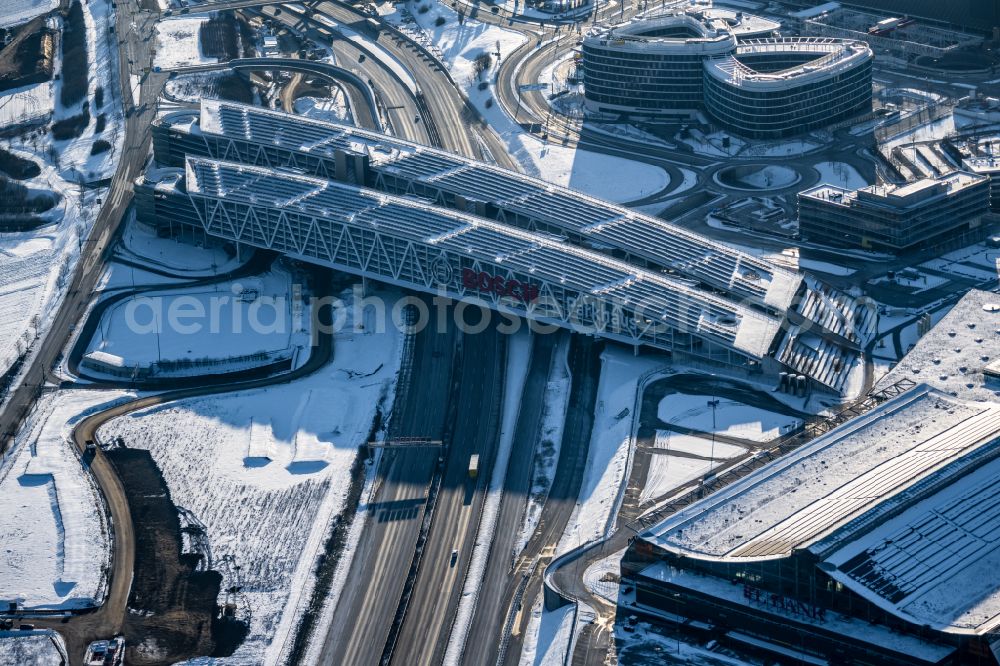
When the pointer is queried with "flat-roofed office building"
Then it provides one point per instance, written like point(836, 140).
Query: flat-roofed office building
point(895, 217)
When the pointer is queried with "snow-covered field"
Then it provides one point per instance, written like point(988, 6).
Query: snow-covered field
point(610, 444)
point(27, 104)
point(35, 266)
point(177, 43)
point(52, 525)
point(607, 177)
point(267, 470)
point(731, 418)
point(15, 12)
point(228, 320)
point(38, 648)
point(840, 174)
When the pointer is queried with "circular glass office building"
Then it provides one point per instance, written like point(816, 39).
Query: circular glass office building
point(652, 67)
point(774, 88)
point(725, 63)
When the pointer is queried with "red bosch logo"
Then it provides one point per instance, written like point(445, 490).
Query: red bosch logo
point(497, 284)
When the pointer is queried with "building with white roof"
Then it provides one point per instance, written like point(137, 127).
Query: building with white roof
point(876, 543)
point(988, 166)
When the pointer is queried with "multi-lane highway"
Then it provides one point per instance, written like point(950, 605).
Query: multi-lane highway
point(430, 610)
point(368, 604)
point(500, 579)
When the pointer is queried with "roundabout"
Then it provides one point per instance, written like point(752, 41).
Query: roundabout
point(757, 177)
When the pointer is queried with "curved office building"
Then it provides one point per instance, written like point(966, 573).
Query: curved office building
point(772, 88)
point(655, 66)
point(725, 63)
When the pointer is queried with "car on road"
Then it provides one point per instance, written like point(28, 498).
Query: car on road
point(454, 557)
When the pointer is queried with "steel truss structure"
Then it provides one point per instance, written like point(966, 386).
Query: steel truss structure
point(412, 244)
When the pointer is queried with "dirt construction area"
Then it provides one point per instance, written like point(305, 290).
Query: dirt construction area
point(172, 610)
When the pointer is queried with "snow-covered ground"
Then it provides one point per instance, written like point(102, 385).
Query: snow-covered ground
point(610, 444)
point(333, 109)
point(647, 645)
point(38, 648)
point(195, 86)
point(686, 457)
point(548, 636)
point(612, 178)
point(731, 418)
point(227, 320)
point(267, 470)
point(177, 43)
point(35, 266)
point(15, 12)
point(53, 529)
point(556, 401)
point(141, 244)
point(840, 174)
point(26, 104)
point(713, 144)
point(825, 267)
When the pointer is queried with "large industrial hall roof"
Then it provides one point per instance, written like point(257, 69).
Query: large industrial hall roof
point(838, 486)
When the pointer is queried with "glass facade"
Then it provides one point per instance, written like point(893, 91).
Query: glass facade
point(760, 89)
point(846, 220)
point(783, 110)
point(650, 82)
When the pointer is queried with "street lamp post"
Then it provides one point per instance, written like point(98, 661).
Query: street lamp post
point(713, 403)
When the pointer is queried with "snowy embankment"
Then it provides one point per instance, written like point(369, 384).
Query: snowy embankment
point(556, 401)
point(548, 635)
point(267, 470)
point(35, 266)
point(178, 43)
point(611, 442)
point(518, 358)
point(16, 12)
point(55, 536)
point(460, 43)
point(141, 244)
point(242, 323)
